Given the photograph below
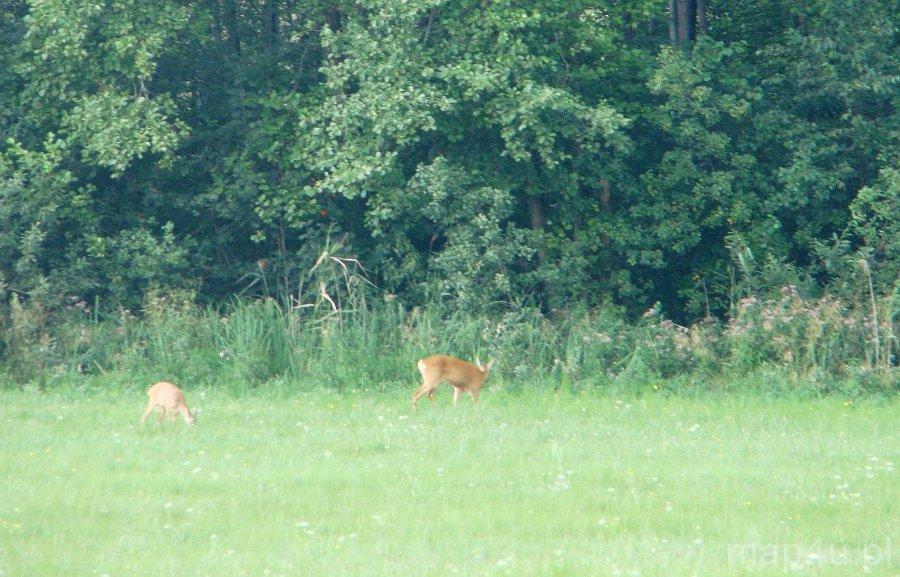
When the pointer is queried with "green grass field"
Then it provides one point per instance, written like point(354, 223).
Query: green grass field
point(530, 483)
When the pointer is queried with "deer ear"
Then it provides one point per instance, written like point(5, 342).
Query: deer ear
point(478, 363)
point(491, 364)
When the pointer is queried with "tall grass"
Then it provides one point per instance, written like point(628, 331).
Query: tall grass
point(810, 346)
point(336, 331)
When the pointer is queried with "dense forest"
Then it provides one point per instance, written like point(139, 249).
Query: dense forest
point(559, 155)
point(538, 152)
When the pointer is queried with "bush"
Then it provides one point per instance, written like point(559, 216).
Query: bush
point(334, 330)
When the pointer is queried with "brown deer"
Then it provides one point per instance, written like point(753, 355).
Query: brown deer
point(461, 375)
point(168, 399)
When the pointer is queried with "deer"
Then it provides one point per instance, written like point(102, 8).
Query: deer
point(168, 398)
point(461, 375)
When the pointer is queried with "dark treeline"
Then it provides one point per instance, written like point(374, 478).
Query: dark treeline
point(549, 152)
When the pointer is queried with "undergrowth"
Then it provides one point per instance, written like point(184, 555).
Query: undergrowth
point(338, 332)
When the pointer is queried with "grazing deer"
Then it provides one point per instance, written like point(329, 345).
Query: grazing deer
point(168, 399)
point(462, 376)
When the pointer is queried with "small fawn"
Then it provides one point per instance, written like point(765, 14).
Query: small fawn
point(462, 376)
point(168, 399)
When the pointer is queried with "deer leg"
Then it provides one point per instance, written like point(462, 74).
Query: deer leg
point(423, 390)
point(474, 396)
point(160, 414)
point(415, 397)
point(455, 396)
point(147, 413)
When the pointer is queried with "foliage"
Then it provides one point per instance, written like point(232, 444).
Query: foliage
point(874, 220)
point(818, 345)
point(546, 155)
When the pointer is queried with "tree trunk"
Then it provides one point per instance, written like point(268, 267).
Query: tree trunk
point(673, 23)
point(687, 18)
point(702, 19)
point(683, 23)
point(604, 194)
point(333, 18)
point(270, 15)
point(536, 213)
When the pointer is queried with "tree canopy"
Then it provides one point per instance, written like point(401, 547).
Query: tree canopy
point(540, 151)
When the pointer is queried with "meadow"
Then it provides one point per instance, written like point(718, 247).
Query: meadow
point(531, 482)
